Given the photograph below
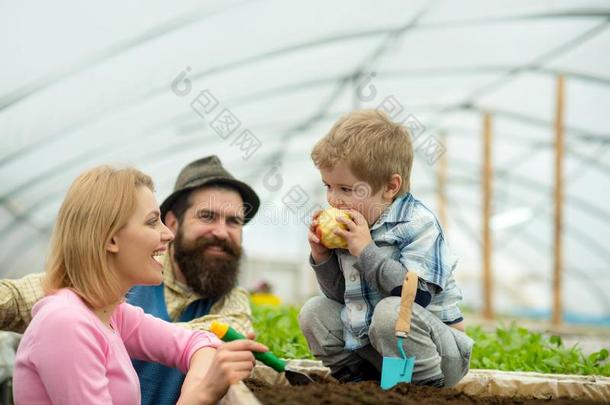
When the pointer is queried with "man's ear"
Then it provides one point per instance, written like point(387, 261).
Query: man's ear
point(171, 221)
point(392, 187)
point(112, 246)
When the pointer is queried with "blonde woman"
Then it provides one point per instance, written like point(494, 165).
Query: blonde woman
point(78, 348)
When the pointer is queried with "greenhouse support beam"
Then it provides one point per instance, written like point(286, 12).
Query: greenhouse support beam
point(558, 215)
point(441, 183)
point(488, 311)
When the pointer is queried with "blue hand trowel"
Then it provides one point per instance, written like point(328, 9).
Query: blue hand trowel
point(400, 369)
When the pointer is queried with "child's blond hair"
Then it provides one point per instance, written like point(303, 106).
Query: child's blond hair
point(373, 147)
point(98, 204)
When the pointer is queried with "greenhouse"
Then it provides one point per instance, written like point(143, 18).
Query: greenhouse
point(215, 108)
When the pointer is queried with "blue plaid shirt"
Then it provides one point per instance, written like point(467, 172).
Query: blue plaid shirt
point(407, 236)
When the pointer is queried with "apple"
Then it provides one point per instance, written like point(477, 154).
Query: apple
point(327, 223)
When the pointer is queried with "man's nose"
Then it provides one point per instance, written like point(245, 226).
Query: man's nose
point(220, 229)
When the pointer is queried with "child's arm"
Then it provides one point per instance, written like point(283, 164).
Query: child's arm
point(422, 249)
point(382, 273)
point(387, 275)
point(330, 278)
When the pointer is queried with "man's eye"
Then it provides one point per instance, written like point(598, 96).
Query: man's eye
point(206, 216)
point(153, 222)
point(236, 221)
point(346, 190)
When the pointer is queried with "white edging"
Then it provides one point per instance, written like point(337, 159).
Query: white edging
point(535, 385)
point(239, 394)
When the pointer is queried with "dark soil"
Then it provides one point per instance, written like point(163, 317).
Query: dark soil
point(370, 393)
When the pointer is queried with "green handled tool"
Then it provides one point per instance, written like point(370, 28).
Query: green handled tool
point(228, 334)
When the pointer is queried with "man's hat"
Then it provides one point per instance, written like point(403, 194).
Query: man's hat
point(209, 171)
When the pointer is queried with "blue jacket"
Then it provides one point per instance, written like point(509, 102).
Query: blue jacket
point(160, 385)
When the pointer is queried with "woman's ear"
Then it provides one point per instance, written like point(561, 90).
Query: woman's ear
point(392, 187)
point(112, 246)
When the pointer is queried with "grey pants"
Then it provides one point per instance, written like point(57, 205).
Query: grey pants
point(440, 351)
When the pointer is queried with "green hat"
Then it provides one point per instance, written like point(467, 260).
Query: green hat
point(209, 171)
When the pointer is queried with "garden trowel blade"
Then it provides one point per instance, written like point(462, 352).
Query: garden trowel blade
point(297, 377)
point(396, 369)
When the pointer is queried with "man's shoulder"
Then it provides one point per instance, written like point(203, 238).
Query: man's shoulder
point(237, 293)
point(236, 297)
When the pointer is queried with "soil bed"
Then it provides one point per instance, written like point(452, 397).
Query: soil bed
point(370, 393)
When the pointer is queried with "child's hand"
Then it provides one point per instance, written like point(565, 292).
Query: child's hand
point(357, 233)
point(319, 252)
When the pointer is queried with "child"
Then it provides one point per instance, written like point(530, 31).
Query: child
point(365, 164)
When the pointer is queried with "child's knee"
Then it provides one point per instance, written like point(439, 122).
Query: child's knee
point(383, 324)
point(307, 312)
point(384, 318)
point(314, 310)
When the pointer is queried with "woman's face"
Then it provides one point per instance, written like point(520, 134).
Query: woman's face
point(137, 249)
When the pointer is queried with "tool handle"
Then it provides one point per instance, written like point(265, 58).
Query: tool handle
point(407, 297)
point(267, 358)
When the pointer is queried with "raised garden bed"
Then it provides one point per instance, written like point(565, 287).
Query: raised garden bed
point(509, 365)
point(477, 383)
point(370, 393)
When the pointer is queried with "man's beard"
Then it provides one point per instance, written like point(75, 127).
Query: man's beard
point(209, 276)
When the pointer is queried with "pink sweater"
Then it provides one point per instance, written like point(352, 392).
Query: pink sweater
point(68, 356)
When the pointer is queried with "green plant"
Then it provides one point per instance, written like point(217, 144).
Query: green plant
point(278, 328)
point(514, 348)
point(511, 348)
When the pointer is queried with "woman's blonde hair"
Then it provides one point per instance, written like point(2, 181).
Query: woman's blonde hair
point(98, 204)
point(373, 147)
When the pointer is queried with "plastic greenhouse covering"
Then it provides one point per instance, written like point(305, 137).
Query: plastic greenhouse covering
point(142, 83)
